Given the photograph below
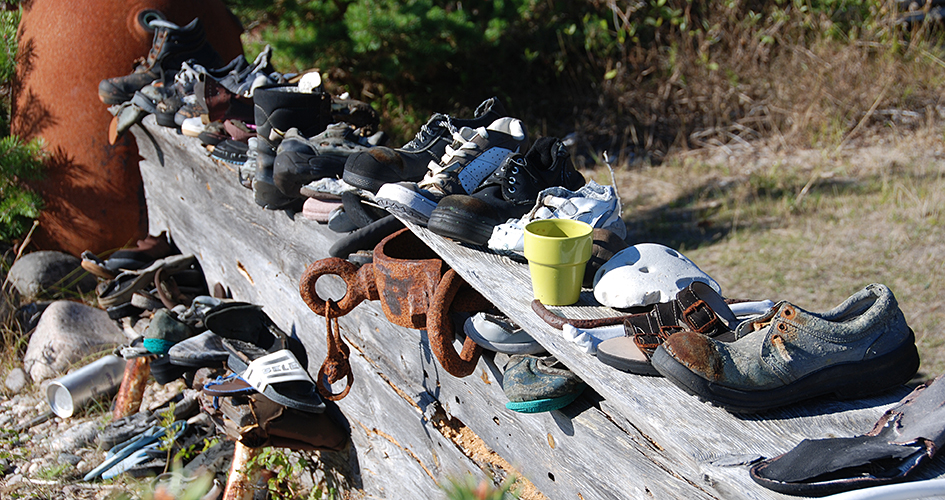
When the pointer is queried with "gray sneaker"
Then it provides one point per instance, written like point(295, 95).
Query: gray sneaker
point(861, 347)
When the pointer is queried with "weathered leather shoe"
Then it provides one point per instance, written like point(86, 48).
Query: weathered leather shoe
point(861, 347)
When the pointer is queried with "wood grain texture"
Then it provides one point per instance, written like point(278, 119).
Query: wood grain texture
point(627, 437)
point(399, 388)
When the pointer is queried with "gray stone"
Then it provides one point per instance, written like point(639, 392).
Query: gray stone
point(76, 437)
point(66, 333)
point(16, 380)
point(49, 271)
point(65, 457)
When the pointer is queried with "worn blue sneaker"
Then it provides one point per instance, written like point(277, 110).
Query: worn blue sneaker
point(538, 384)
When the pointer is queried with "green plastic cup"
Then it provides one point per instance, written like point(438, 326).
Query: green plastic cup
point(557, 251)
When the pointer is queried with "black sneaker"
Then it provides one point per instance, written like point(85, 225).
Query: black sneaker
point(509, 193)
point(171, 46)
point(382, 165)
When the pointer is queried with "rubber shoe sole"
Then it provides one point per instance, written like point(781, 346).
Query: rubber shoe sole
point(405, 203)
point(461, 225)
point(845, 381)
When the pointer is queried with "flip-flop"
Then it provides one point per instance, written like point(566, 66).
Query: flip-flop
point(275, 372)
point(145, 453)
point(121, 451)
point(119, 290)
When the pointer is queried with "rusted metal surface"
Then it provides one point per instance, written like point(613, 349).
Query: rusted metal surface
point(441, 333)
point(558, 322)
point(132, 388)
point(416, 290)
point(241, 482)
point(359, 282)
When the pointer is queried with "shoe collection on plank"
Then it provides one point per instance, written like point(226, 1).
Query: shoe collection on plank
point(478, 181)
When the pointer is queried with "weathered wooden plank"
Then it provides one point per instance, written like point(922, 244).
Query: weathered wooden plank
point(260, 254)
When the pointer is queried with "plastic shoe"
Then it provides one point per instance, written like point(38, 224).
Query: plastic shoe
point(508, 193)
point(277, 109)
point(539, 384)
point(171, 46)
point(859, 348)
point(371, 169)
point(500, 334)
point(460, 171)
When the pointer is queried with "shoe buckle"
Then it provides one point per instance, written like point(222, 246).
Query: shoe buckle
point(667, 330)
point(701, 306)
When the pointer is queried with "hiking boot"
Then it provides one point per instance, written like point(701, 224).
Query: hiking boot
point(378, 166)
point(508, 193)
point(277, 109)
point(860, 348)
point(460, 171)
point(171, 46)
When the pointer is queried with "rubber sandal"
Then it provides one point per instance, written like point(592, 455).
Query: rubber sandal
point(276, 373)
point(119, 290)
point(121, 451)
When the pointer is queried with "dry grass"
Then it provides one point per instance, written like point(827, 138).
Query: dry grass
point(755, 72)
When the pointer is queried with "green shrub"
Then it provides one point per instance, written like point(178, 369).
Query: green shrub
point(19, 161)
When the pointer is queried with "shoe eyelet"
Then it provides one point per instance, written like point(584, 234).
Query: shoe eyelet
point(782, 327)
point(788, 312)
point(511, 189)
point(515, 169)
point(511, 180)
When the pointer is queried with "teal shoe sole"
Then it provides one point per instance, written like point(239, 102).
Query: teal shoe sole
point(543, 405)
point(158, 346)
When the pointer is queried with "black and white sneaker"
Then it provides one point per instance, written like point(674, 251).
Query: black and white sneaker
point(371, 169)
point(509, 193)
point(475, 155)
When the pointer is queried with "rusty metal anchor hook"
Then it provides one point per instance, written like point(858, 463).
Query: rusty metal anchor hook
point(359, 285)
point(441, 333)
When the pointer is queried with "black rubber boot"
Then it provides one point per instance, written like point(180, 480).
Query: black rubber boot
point(277, 109)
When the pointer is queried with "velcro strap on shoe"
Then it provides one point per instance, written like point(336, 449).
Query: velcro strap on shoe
point(274, 368)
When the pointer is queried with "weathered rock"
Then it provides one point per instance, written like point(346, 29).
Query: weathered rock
point(66, 333)
point(66, 457)
point(16, 380)
point(76, 437)
point(49, 271)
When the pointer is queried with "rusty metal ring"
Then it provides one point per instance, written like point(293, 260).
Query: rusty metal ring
point(440, 329)
point(345, 270)
point(324, 386)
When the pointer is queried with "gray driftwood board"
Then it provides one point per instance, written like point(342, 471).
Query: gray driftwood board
point(631, 437)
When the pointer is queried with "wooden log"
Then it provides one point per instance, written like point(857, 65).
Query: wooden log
point(415, 426)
